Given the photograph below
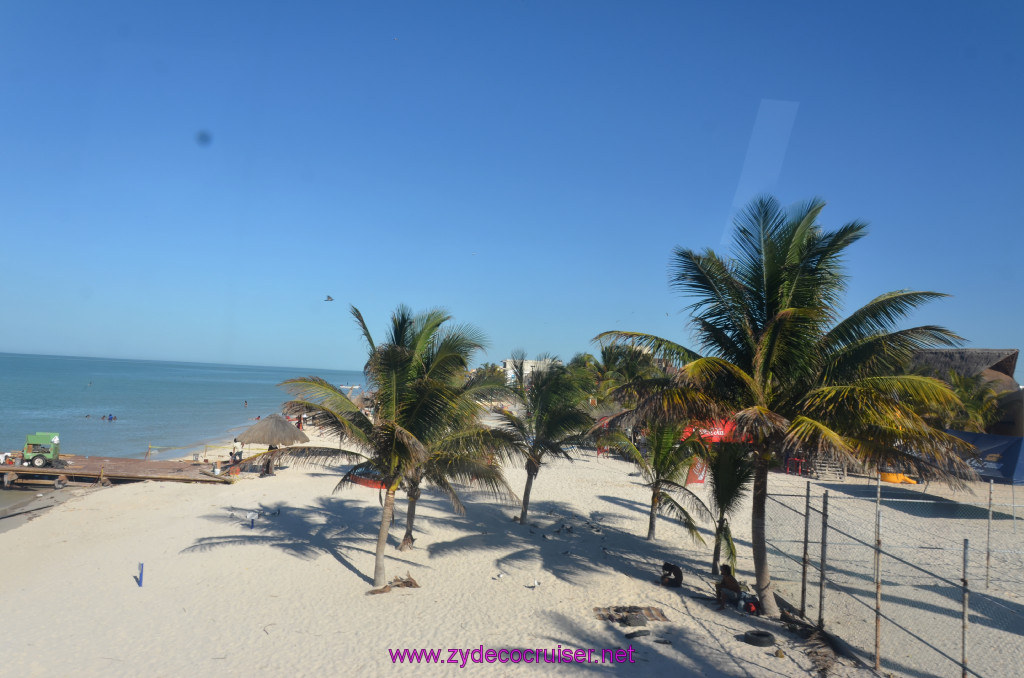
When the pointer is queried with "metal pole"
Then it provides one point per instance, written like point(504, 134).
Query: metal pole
point(988, 537)
point(806, 561)
point(1013, 502)
point(824, 539)
point(878, 591)
point(963, 631)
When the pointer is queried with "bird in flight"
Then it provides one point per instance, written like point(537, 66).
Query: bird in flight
point(329, 298)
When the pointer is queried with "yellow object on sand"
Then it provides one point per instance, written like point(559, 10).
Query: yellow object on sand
point(897, 478)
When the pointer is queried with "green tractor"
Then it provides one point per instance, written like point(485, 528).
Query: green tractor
point(41, 449)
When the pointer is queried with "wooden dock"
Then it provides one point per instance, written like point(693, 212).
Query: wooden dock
point(79, 470)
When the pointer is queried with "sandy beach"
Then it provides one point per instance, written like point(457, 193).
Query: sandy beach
point(289, 595)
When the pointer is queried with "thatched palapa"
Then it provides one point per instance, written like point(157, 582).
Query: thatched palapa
point(274, 431)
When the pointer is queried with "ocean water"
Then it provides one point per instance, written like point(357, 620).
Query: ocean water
point(175, 407)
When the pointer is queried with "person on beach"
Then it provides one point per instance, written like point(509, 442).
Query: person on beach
point(728, 590)
point(671, 575)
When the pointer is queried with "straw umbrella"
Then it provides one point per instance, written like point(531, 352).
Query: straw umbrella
point(274, 431)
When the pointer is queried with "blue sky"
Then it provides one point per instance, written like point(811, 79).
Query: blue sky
point(526, 165)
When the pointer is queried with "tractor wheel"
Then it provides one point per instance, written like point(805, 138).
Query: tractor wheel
point(39, 462)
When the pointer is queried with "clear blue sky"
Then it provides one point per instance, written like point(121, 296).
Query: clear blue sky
point(527, 165)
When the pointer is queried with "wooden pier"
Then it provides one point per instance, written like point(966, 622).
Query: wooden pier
point(79, 470)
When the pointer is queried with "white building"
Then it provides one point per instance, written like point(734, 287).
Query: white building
point(528, 367)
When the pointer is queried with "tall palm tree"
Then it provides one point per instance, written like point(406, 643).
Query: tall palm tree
point(730, 469)
point(794, 372)
point(418, 375)
point(550, 420)
point(670, 454)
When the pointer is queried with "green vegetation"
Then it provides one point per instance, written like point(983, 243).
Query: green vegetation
point(550, 418)
point(610, 376)
point(664, 468)
point(793, 373)
point(730, 469)
point(423, 408)
point(776, 358)
point(979, 404)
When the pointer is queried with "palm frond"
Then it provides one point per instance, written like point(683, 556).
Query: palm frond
point(730, 472)
point(725, 536)
point(759, 423)
point(362, 327)
point(880, 315)
point(668, 504)
point(664, 349)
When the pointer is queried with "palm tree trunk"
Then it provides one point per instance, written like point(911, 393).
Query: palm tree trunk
point(654, 515)
point(379, 577)
point(410, 518)
point(759, 546)
point(531, 472)
point(717, 555)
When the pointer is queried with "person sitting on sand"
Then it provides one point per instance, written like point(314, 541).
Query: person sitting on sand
point(728, 590)
point(671, 575)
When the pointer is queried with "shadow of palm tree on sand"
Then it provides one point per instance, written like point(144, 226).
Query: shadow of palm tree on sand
point(333, 526)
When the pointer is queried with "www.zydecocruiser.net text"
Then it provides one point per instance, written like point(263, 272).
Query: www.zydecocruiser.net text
point(465, 656)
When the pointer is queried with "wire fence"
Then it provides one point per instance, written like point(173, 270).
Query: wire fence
point(898, 568)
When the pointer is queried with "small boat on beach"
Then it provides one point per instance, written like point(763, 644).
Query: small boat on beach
point(367, 477)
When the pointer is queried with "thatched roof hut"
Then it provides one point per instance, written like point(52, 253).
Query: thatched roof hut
point(274, 430)
point(969, 362)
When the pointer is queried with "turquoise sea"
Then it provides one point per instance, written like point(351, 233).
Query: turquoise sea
point(175, 407)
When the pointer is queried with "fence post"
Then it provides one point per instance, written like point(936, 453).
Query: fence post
point(824, 540)
point(1013, 502)
point(878, 591)
point(963, 630)
point(807, 531)
point(988, 537)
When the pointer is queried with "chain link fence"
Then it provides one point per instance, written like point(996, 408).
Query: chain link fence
point(911, 599)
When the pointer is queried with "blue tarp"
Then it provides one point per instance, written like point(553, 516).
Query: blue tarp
point(998, 457)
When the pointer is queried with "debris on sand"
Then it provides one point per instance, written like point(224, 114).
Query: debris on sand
point(406, 582)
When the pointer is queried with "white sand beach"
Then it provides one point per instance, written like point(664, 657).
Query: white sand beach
point(289, 595)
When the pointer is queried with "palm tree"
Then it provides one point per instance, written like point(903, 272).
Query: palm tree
point(980, 404)
point(670, 454)
point(467, 456)
point(794, 373)
point(618, 366)
point(551, 420)
point(418, 374)
point(729, 472)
